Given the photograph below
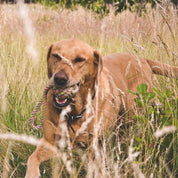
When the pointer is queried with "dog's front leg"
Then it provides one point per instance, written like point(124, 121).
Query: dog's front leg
point(43, 152)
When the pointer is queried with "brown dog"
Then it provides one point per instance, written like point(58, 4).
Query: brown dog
point(94, 90)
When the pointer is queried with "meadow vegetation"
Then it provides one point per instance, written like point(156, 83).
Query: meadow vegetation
point(149, 149)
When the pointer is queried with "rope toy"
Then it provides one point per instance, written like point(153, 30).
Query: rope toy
point(66, 93)
point(42, 101)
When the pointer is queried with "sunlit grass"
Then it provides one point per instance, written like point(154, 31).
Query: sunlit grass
point(153, 36)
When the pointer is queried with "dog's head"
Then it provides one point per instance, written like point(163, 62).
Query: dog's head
point(71, 65)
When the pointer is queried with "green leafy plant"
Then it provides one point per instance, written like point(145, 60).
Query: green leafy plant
point(151, 117)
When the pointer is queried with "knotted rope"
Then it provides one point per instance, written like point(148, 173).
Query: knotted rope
point(42, 101)
point(60, 94)
point(68, 92)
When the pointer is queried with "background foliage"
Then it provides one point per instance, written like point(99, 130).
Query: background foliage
point(104, 6)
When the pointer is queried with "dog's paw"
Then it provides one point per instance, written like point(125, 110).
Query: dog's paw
point(33, 174)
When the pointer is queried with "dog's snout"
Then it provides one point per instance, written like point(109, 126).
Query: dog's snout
point(60, 78)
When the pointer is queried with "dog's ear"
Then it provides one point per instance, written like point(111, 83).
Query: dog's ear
point(98, 60)
point(49, 66)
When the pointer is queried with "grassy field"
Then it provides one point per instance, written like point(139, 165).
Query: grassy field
point(26, 32)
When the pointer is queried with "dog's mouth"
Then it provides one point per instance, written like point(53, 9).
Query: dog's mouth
point(63, 96)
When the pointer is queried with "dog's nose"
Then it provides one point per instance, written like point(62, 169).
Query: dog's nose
point(60, 78)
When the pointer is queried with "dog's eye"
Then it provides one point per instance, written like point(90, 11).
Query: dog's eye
point(79, 59)
point(57, 57)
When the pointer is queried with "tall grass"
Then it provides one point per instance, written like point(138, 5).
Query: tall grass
point(138, 153)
